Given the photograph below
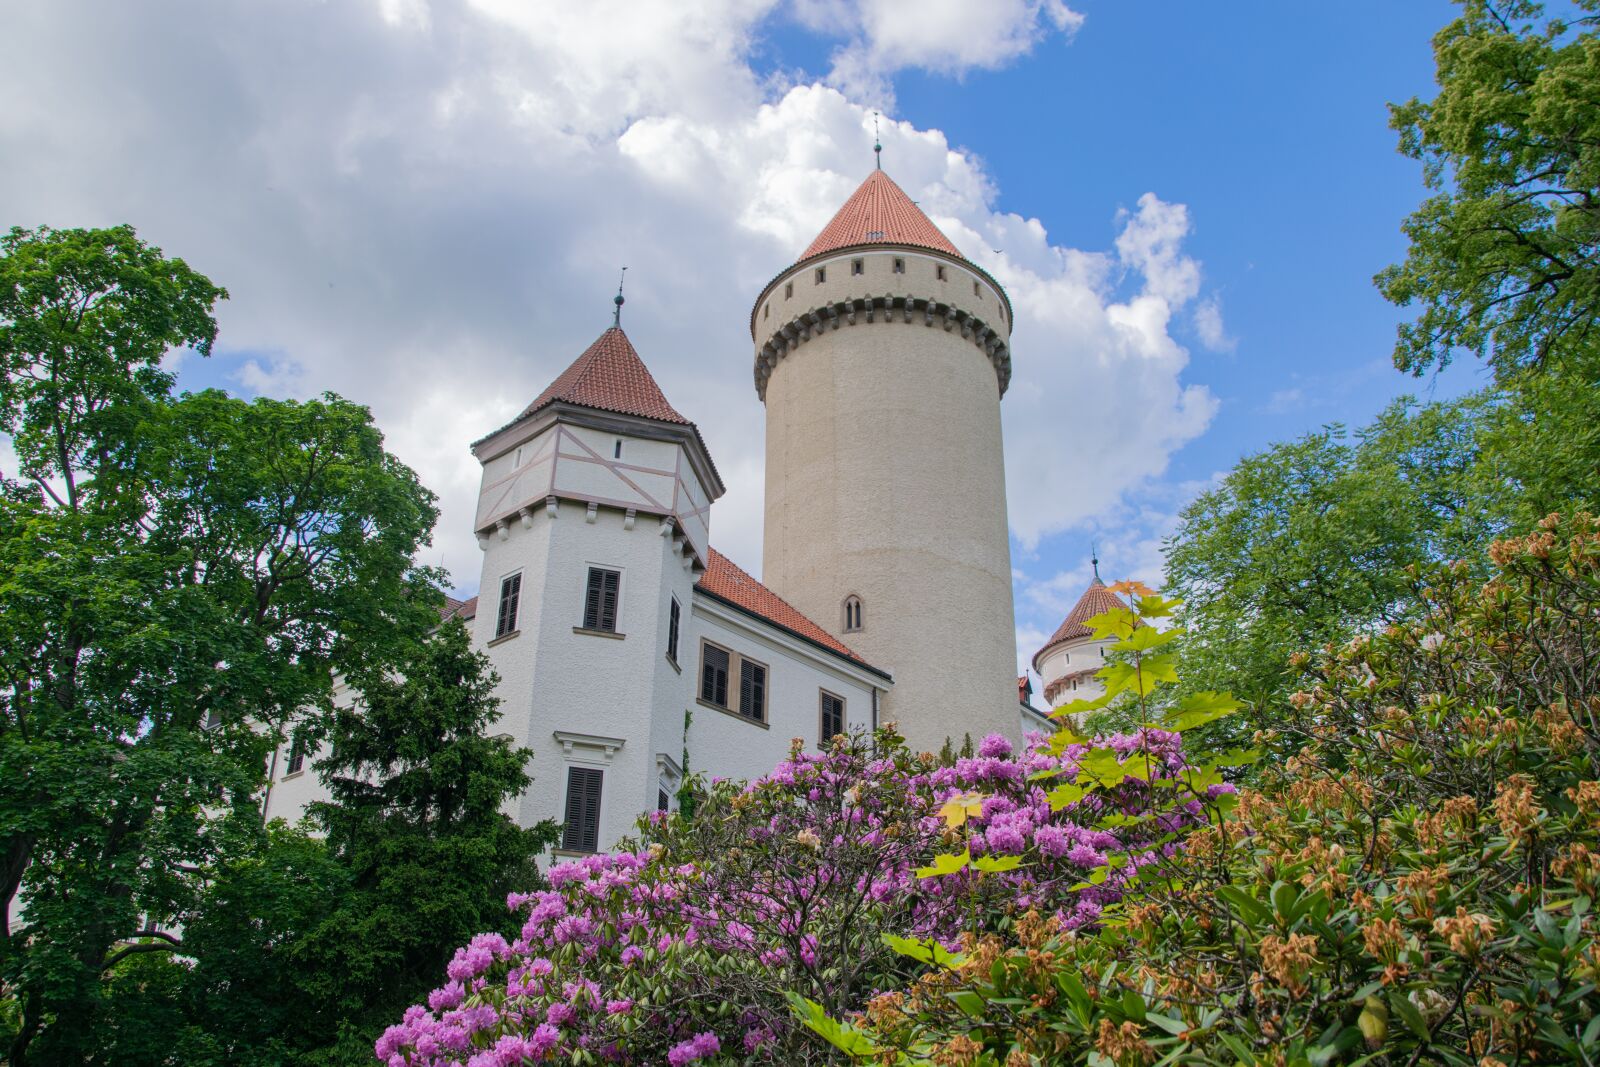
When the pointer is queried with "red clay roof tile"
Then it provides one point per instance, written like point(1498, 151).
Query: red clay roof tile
point(609, 376)
point(458, 609)
point(879, 211)
point(725, 580)
point(1095, 600)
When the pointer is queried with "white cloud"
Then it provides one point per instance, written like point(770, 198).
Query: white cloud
point(1208, 324)
point(947, 36)
point(423, 206)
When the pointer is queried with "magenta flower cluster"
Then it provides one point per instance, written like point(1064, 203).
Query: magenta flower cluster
point(681, 949)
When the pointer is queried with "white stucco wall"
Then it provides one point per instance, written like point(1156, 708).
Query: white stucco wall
point(1075, 658)
point(724, 743)
point(886, 479)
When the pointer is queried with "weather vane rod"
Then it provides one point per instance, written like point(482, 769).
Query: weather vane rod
point(1094, 560)
point(877, 142)
point(616, 315)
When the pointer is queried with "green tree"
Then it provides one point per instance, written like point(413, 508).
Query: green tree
point(417, 821)
point(1307, 542)
point(1503, 259)
point(178, 578)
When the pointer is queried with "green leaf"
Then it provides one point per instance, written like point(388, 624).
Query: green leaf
point(845, 1038)
point(949, 863)
point(1079, 707)
point(1197, 709)
point(1117, 622)
point(967, 1001)
point(1156, 606)
point(1146, 638)
point(1142, 678)
point(1236, 757)
point(1068, 793)
point(994, 864)
point(925, 951)
point(1401, 1005)
point(1253, 910)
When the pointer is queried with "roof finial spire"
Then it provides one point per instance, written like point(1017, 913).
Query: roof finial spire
point(877, 142)
point(616, 315)
point(1094, 560)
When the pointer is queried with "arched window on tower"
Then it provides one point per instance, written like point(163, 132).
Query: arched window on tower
point(852, 613)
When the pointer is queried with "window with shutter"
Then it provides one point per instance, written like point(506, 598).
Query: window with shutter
point(752, 691)
point(582, 833)
point(600, 601)
point(714, 675)
point(832, 717)
point(663, 801)
point(672, 630)
point(510, 595)
point(297, 757)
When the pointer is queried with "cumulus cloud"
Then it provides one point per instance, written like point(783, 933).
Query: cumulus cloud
point(423, 205)
point(947, 36)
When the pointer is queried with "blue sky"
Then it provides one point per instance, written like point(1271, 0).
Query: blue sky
point(421, 205)
point(1273, 130)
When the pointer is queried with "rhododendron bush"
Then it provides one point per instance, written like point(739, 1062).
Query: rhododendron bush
point(1412, 881)
point(841, 874)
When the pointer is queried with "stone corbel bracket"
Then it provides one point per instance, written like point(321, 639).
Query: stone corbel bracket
point(882, 309)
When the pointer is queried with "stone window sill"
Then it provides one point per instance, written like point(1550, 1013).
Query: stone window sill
point(598, 633)
point(503, 638)
point(733, 714)
point(674, 664)
point(292, 774)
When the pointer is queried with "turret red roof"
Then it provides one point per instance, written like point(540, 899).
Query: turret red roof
point(609, 376)
point(725, 580)
point(1096, 600)
point(879, 211)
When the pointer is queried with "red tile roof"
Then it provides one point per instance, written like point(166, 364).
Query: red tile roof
point(879, 211)
point(724, 580)
point(1024, 689)
point(458, 609)
point(1095, 600)
point(609, 376)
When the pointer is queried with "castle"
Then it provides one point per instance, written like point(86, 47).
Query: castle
point(626, 644)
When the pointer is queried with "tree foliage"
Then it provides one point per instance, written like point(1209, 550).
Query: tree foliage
point(1307, 542)
point(1503, 258)
point(418, 785)
point(178, 577)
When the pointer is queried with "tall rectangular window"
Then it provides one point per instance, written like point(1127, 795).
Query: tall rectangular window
point(858, 266)
point(832, 717)
point(600, 603)
point(672, 630)
point(752, 690)
point(714, 675)
point(297, 757)
point(899, 265)
point(582, 832)
point(505, 619)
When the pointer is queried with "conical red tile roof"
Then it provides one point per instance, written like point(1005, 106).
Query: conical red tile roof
point(609, 376)
point(1096, 600)
point(879, 211)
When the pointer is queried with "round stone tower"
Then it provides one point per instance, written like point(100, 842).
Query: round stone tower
point(881, 356)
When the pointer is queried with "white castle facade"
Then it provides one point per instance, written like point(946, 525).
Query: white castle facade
point(626, 644)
